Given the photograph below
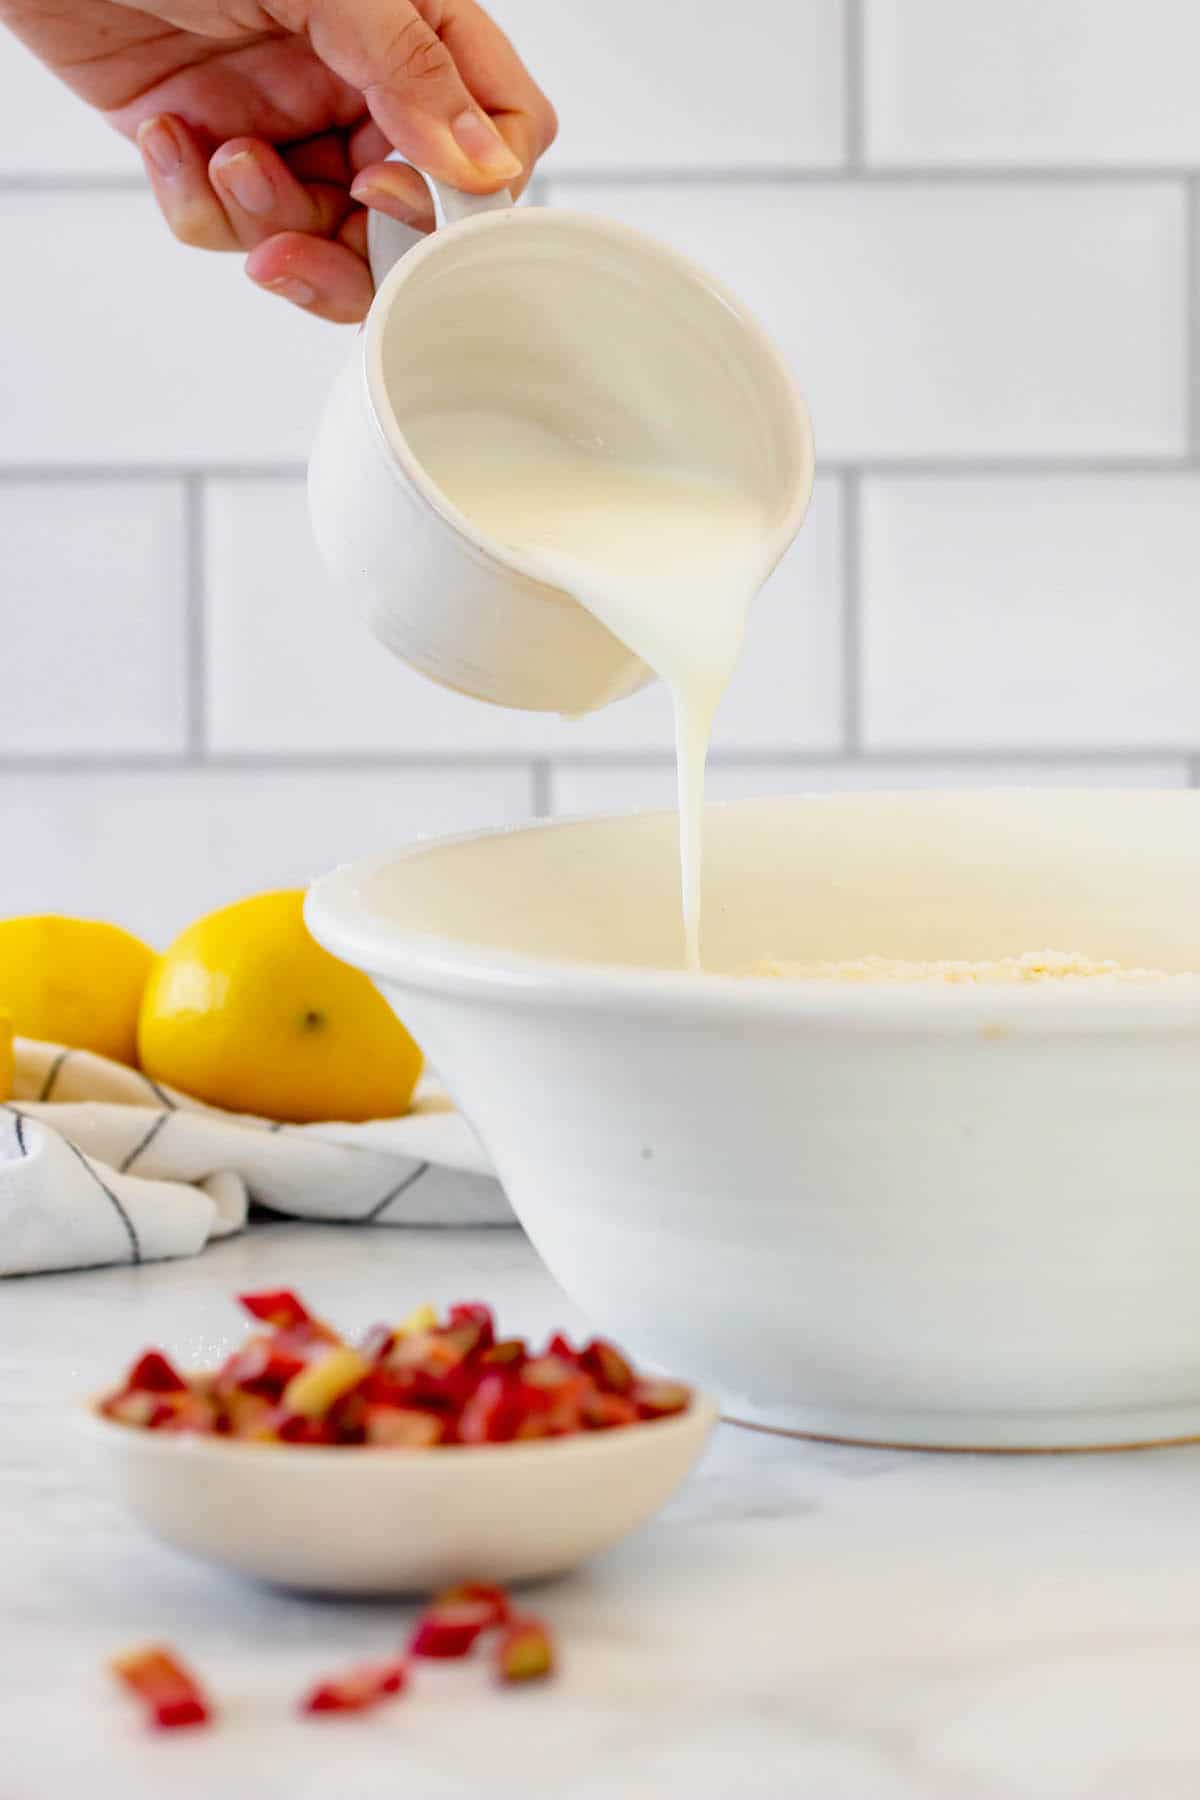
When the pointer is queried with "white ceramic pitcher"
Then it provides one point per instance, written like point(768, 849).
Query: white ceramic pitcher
point(592, 330)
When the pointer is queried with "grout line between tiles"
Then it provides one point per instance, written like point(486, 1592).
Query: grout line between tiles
point(854, 86)
point(541, 777)
point(1192, 315)
point(332, 763)
point(939, 468)
point(835, 174)
point(195, 634)
point(852, 634)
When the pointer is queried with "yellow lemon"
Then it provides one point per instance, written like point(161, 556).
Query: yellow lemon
point(6, 1056)
point(245, 1010)
point(74, 981)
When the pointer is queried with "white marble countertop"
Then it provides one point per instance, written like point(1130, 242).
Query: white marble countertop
point(806, 1619)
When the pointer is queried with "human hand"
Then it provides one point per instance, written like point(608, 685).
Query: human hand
point(264, 125)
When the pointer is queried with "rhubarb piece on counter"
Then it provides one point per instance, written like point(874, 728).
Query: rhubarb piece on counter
point(167, 1690)
point(311, 1393)
point(358, 1689)
point(525, 1652)
point(450, 1628)
point(477, 1593)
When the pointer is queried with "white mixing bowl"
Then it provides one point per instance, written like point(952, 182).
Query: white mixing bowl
point(941, 1216)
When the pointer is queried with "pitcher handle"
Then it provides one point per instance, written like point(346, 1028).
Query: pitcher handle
point(388, 239)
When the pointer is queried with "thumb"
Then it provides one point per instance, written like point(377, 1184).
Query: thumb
point(411, 84)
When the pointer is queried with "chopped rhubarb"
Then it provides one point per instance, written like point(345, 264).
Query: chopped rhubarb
point(450, 1628)
point(477, 1593)
point(473, 1312)
point(313, 1391)
point(264, 1366)
point(167, 1690)
point(501, 1409)
point(422, 1319)
point(525, 1652)
point(607, 1367)
point(153, 1374)
point(277, 1306)
point(377, 1342)
point(357, 1689)
point(604, 1412)
point(658, 1399)
point(402, 1428)
point(413, 1386)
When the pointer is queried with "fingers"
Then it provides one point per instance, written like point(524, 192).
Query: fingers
point(397, 190)
point(413, 88)
point(327, 278)
point(261, 194)
point(493, 72)
point(499, 80)
point(178, 171)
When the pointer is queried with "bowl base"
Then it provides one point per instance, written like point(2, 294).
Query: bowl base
point(1084, 1432)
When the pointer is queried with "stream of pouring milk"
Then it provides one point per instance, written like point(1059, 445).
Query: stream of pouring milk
point(668, 561)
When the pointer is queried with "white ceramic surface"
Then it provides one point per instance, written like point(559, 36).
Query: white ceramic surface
point(954, 1216)
point(583, 326)
point(399, 1522)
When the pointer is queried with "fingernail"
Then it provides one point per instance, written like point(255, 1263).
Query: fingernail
point(475, 134)
point(288, 288)
point(159, 145)
point(246, 182)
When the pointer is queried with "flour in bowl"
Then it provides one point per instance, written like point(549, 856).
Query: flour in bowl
point(1033, 966)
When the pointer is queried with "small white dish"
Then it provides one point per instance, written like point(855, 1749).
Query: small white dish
point(353, 1521)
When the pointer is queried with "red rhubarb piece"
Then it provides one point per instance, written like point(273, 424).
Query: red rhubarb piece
point(605, 1412)
point(658, 1399)
point(477, 1593)
point(501, 1409)
point(473, 1312)
point(357, 1689)
point(525, 1652)
point(608, 1368)
point(167, 1690)
point(264, 1366)
point(377, 1342)
point(277, 1306)
point(153, 1374)
point(451, 1628)
point(402, 1428)
point(508, 1352)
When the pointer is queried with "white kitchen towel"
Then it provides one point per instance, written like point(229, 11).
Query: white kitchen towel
point(99, 1164)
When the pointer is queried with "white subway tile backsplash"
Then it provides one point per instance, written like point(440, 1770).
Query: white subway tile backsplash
point(46, 130)
point(615, 787)
point(650, 85)
point(1021, 612)
point(964, 319)
point(292, 667)
point(92, 592)
point(1027, 82)
point(154, 850)
point(135, 349)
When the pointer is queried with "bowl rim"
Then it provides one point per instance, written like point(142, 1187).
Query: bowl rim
point(344, 923)
point(699, 1417)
